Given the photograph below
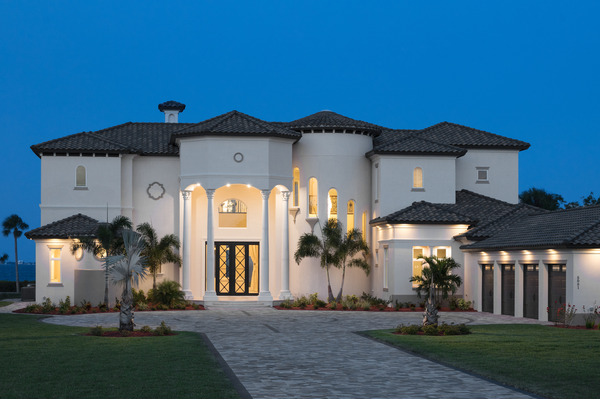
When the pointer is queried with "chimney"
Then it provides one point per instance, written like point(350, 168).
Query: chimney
point(171, 109)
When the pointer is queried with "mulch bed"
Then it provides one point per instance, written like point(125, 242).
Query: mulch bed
point(374, 309)
point(573, 327)
point(97, 310)
point(118, 334)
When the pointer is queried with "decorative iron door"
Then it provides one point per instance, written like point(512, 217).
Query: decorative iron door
point(236, 268)
point(557, 291)
point(487, 288)
point(508, 289)
point(531, 280)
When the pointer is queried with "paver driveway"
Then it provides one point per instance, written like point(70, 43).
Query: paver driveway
point(314, 354)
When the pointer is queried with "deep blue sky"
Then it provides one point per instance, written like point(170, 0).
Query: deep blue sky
point(526, 70)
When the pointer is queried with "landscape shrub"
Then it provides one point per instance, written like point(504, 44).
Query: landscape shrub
point(301, 302)
point(64, 305)
point(313, 298)
point(97, 330)
point(168, 293)
point(163, 329)
point(319, 304)
point(464, 305)
point(86, 305)
point(142, 306)
point(372, 300)
point(287, 303)
point(333, 305)
point(146, 329)
point(138, 297)
point(47, 305)
point(431, 330)
point(408, 329)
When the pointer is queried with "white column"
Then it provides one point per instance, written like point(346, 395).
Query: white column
point(210, 294)
point(265, 294)
point(285, 250)
point(187, 237)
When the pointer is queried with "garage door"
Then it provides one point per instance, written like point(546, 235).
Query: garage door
point(508, 289)
point(557, 290)
point(487, 288)
point(530, 290)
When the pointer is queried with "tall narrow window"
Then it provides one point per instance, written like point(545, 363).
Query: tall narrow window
point(55, 265)
point(418, 178)
point(312, 197)
point(80, 178)
point(295, 187)
point(364, 225)
point(376, 188)
point(385, 267)
point(350, 216)
point(232, 214)
point(332, 204)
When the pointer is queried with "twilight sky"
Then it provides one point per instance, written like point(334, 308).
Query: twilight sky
point(526, 70)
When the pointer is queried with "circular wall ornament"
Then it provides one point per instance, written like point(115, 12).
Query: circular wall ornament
point(238, 157)
point(155, 190)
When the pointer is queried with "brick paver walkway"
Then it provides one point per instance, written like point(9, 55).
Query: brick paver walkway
point(315, 354)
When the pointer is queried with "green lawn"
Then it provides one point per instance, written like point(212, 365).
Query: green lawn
point(548, 361)
point(5, 303)
point(49, 361)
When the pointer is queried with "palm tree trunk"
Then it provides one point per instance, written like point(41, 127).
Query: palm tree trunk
point(16, 267)
point(154, 279)
point(329, 291)
point(339, 296)
point(106, 285)
point(126, 312)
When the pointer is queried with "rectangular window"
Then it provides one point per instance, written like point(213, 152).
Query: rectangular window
point(441, 252)
point(377, 183)
point(55, 265)
point(482, 174)
point(385, 267)
point(417, 265)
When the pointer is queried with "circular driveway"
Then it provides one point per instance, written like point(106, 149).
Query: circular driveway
point(315, 354)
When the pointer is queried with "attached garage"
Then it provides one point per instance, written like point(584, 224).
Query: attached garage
point(531, 279)
point(557, 290)
point(508, 289)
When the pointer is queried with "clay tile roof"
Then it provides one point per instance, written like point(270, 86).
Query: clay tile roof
point(331, 120)
point(423, 212)
point(171, 105)
point(573, 228)
point(78, 225)
point(235, 123)
point(415, 145)
point(465, 137)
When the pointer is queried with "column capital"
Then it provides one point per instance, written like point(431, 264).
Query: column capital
point(210, 193)
point(285, 195)
point(265, 194)
point(187, 194)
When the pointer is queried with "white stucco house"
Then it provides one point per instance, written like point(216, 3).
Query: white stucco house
point(248, 189)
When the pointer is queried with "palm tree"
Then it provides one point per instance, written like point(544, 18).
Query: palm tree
point(3, 258)
point(127, 269)
point(15, 225)
point(351, 245)
point(334, 250)
point(108, 241)
point(158, 252)
point(542, 199)
point(437, 280)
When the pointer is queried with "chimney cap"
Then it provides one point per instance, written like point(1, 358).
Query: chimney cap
point(171, 105)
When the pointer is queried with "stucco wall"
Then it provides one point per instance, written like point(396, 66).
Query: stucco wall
point(60, 199)
point(503, 173)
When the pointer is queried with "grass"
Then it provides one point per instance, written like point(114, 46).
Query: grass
point(4, 303)
point(548, 361)
point(51, 361)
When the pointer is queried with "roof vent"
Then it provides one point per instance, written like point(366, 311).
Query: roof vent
point(171, 109)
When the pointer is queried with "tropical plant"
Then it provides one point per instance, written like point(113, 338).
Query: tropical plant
point(437, 279)
point(334, 249)
point(108, 241)
point(158, 251)
point(14, 225)
point(167, 293)
point(3, 258)
point(127, 269)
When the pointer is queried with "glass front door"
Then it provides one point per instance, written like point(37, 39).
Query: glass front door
point(236, 268)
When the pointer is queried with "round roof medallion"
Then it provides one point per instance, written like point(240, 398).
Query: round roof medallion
point(238, 157)
point(155, 190)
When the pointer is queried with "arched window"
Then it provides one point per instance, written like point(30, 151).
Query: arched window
point(295, 187)
point(350, 216)
point(232, 214)
point(418, 178)
point(80, 178)
point(312, 197)
point(332, 204)
point(364, 225)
